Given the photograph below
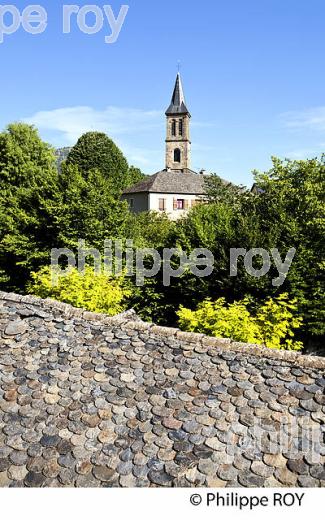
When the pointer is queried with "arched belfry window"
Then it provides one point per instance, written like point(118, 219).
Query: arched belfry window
point(174, 127)
point(177, 155)
point(180, 127)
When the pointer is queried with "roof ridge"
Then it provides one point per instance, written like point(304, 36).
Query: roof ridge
point(191, 339)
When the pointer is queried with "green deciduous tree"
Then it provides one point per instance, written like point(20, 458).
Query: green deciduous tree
point(134, 175)
point(290, 209)
point(41, 209)
point(96, 151)
point(149, 229)
point(88, 210)
point(219, 190)
point(28, 179)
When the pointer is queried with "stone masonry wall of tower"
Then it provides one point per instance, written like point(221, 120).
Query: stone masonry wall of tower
point(178, 142)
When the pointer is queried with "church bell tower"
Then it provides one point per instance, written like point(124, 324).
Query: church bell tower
point(178, 143)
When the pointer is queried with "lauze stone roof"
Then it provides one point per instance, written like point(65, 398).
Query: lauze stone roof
point(178, 182)
point(87, 400)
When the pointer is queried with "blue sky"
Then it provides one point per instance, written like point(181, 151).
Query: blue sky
point(253, 75)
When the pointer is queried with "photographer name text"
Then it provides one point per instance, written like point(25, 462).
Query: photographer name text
point(88, 19)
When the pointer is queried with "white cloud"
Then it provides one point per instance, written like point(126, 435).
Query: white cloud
point(312, 119)
point(64, 126)
point(71, 122)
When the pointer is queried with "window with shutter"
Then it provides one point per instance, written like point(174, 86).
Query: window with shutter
point(180, 204)
point(162, 204)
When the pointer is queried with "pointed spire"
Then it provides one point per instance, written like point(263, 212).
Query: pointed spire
point(177, 105)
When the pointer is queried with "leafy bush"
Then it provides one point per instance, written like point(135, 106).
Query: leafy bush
point(94, 292)
point(277, 319)
point(272, 325)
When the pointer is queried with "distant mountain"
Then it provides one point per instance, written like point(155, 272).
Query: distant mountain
point(61, 154)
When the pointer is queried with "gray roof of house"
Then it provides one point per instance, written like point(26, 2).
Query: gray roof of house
point(173, 181)
point(89, 400)
point(177, 105)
